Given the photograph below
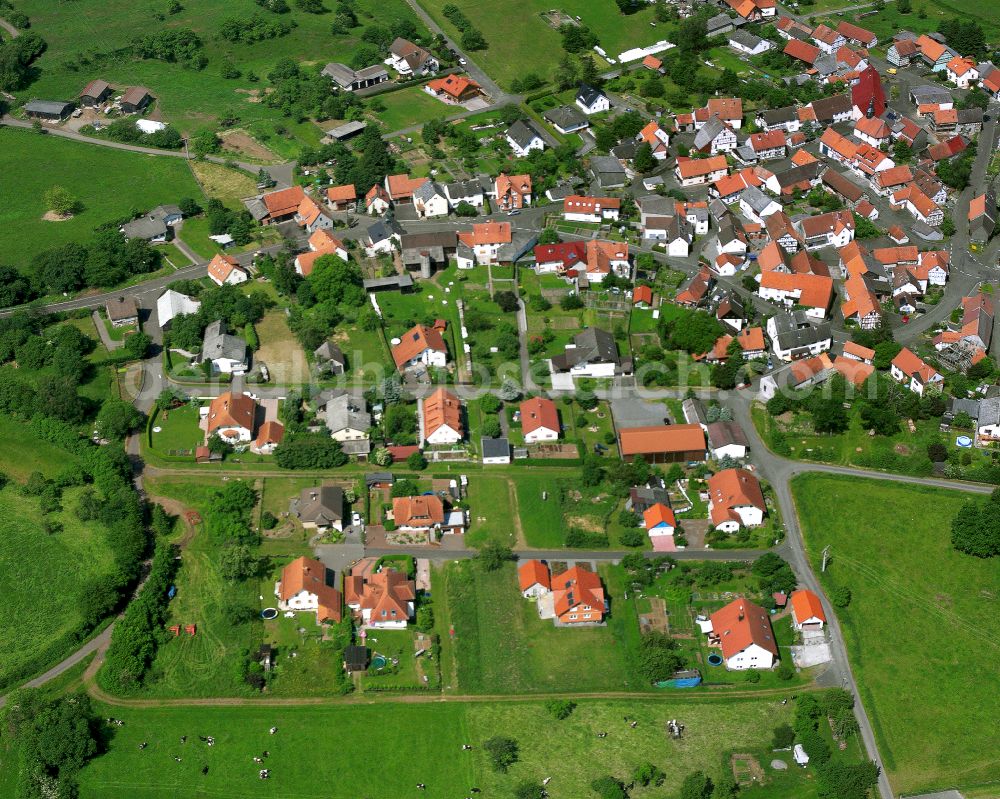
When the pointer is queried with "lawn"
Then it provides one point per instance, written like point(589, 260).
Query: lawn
point(179, 432)
point(491, 515)
point(41, 617)
point(422, 743)
point(409, 107)
point(501, 646)
point(280, 350)
point(189, 98)
point(109, 183)
point(520, 40)
point(541, 518)
point(912, 628)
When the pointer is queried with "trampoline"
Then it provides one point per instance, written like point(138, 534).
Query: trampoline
point(379, 662)
point(269, 613)
point(715, 659)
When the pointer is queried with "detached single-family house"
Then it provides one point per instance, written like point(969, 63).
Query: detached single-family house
point(408, 58)
point(441, 418)
point(591, 100)
point(698, 171)
point(454, 89)
point(807, 610)
point(329, 359)
point(743, 631)
point(735, 500)
point(593, 353)
point(304, 586)
point(346, 417)
point(727, 440)
point(156, 226)
point(269, 436)
point(225, 270)
point(381, 600)
point(596, 210)
point(420, 346)
point(319, 507)
point(566, 119)
point(745, 42)
point(342, 198)
point(539, 420)
point(962, 72)
point(321, 243)
point(512, 192)
point(578, 597)
point(226, 352)
point(660, 524)
point(523, 137)
point(122, 311)
point(232, 417)
point(430, 200)
point(794, 336)
point(912, 371)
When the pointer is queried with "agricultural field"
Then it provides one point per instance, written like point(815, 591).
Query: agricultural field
point(189, 98)
point(224, 183)
point(891, 546)
point(521, 40)
point(40, 622)
point(109, 183)
point(501, 646)
point(423, 743)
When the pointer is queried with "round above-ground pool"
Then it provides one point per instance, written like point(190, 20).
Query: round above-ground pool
point(963, 441)
point(269, 613)
point(379, 662)
point(715, 659)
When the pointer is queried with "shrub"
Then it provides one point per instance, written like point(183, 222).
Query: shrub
point(783, 737)
point(840, 596)
point(633, 537)
point(560, 708)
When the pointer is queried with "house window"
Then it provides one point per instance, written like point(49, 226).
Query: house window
point(572, 617)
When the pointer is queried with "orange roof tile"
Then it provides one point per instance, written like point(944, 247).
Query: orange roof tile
point(442, 409)
point(539, 412)
point(806, 605)
point(740, 624)
point(672, 438)
point(414, 341)
point(533, 572)
point(658, 513)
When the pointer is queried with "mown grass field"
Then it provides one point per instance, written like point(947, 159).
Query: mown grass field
point(280, 350)
point(541, 519)
point(224, 183)
point(188, 98)
point(501, 646)
point(42, 575)
point(409, 107)
point(521, 41)
point(110, 184)
point(329, 752)
point(917, 628)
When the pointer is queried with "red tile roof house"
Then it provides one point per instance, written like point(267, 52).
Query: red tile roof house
point(591, 209)
point(420, 345)
point(534, 579)
point(441, 418)
point(231, 417)
point(910, 370)
point(660, 524)
point(282, 205)
point(743, 631)
point(384, 600)
point(303, 586)
point(539, 420)
point(807, 610)
point(224, 269)
point(577, 597)
point(735, 500)
point(321, 243)
point(425, 514)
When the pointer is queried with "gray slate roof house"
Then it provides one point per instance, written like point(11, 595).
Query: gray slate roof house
point(745, 39)
point(154, 226)
point(608, 172)
point(329, 359)
point(794, 331)
point(641, 498)
point(523, 133)
point(774, 117)
point(345, 411)
point(981, 228)
point(495, 449)
point(122, 311)
point(218, 344)
point(593, 345)
point(708, 132)
point(694, 412)
point(724, 434)
point(319, 506)
point(566, 118)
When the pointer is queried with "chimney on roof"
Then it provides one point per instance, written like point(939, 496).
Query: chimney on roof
point(740, 617)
